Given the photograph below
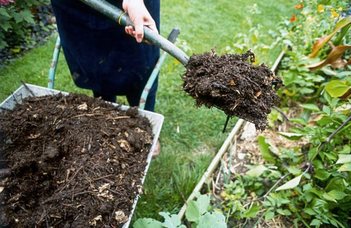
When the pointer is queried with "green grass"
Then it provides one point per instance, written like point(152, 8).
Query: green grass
point(190, 136)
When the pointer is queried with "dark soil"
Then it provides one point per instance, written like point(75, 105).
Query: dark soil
point(233, 84)
point(75, 161)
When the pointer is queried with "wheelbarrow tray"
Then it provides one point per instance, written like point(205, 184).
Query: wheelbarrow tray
point(155, 119)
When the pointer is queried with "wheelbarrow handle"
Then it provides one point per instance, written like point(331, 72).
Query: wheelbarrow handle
point(152, 37)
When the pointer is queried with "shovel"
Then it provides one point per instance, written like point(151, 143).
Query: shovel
point(250, 96)
point(150, 36)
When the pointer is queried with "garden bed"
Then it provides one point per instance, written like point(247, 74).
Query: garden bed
point(74, 160)
point(244, 159)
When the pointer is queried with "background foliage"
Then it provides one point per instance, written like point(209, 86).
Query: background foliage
point(23, 23)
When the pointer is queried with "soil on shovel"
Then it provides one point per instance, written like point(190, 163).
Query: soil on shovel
point(75, 161)
point(233, 84)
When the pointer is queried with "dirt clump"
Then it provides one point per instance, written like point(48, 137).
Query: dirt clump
point(75, 161)
point(233, 84)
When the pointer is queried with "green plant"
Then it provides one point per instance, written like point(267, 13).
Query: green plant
point(18, 22)
point(197, 214)
point(307, 184)
point(311, 20)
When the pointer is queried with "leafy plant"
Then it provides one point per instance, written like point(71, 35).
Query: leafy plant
point(197, 214)
point(19, 19)
point(308, 184)
point(334, 57)
point(312, 20)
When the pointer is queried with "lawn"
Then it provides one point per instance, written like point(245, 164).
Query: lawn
point(190, 136)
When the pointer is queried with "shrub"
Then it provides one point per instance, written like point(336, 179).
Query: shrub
point(22, 22)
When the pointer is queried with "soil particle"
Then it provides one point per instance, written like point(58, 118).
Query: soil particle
point(233, 84)
point(75, 161)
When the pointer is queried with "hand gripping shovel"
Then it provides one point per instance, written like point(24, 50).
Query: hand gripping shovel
point(153, 38)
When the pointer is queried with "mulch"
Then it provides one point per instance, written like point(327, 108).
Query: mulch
point(74, 161)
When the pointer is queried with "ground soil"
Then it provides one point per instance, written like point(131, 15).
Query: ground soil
point(75, 161)
point(233, 84)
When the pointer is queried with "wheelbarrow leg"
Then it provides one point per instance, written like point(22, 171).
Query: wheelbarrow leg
point(53, 65)
point(171, 37)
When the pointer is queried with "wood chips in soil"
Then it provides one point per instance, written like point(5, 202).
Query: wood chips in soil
point(75, 161)
point(233, 84)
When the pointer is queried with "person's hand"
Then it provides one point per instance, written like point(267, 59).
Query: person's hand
point(140, 17)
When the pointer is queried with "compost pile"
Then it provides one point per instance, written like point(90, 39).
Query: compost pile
point(75, 161)
point(233, 84)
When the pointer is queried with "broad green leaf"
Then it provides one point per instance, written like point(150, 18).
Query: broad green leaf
point(345, 150)
point(298, 120)
point(291, 136)
point(316, 192)
point(171, 221)
point(252, 212)
point(326, 110)
point(333, 57)
point(5, 26)
point(312, 153)
point(290, 184)
point(268, 215)
point(334, 195)
point(265, 151)
point(197, 208)
point(210, 220)
point(311, 107)
point(336, 183)
point(316, 222)
point(344, 158)
point(337, 88)
point(322, 174)
point(322, 41)
point(306, 90)
point(309, 211)
point(27, 16)
point(329, 197)
point(192, 212)
point(294, 170)
point(330, 155)
point(345, 168)
point(338, 195)
point(328, 71)
point(4, 13)
point(343, 74)
point(147, 223)
point(256, 171)
point(203, 202)
point(285, 212)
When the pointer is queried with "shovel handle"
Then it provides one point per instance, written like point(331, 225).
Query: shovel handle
point(152, 37)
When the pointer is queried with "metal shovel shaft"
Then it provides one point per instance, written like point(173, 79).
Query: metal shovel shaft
point(152, 37)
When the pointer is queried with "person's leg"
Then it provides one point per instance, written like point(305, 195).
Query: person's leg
point(134, 97)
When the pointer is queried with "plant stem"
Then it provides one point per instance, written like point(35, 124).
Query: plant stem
point(275, 185)
point(331, 136)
